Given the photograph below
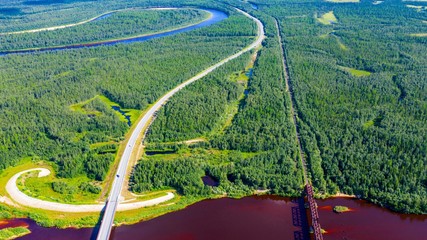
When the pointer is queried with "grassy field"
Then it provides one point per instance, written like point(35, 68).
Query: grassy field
point(82, 108)
point(132, 217)
point(152, 195)
point(331, 34)
point(241, 77)
point(41, 188)
point(101, 144)
point(341, 45)
point(13, 232)
point(25, 164)
point(133, 113)
point(328, 18)
point(355, 72)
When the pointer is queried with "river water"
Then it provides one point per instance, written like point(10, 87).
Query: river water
point(368, 221)
point(258, 217)
point(217, 16)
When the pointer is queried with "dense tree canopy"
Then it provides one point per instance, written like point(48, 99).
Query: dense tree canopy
point(39, 91)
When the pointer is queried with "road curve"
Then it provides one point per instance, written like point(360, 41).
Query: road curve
point(25, 200)
point(113, 199)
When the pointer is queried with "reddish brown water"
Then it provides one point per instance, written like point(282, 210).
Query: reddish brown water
point(368, 221)
point(248, 218)
point(264, 218)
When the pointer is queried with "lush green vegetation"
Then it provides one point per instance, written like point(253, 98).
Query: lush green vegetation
point(13, 232)
point(119, 25)
point(193, 113)
point(355, 72)
point(70, 190)
point(362, 128)
point(260, 135)
point(90, 108)
point(328, 18)
point(362, 135)
point(341, 209)
point(41, 88)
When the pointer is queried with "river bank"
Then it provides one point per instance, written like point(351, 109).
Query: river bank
point(257, 216)
point(213, 16)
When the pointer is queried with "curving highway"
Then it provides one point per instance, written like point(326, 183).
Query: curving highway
point(113, 199)
point(28, 201)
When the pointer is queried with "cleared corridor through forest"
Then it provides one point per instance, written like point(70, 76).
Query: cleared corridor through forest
point(308, 187)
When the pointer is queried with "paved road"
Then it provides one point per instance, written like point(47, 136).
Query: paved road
point(26, 200)
point(107, 221)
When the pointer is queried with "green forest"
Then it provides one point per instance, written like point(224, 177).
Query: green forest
point(360, 98)
point(357, 72)
point(117, 25)
point(39, 91)
point(367, 132)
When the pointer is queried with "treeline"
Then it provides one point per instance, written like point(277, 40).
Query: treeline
point(235, 173)
point(184, 175)
point(362, 135)
point(117, 25)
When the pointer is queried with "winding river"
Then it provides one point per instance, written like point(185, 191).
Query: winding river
point(215, 17)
